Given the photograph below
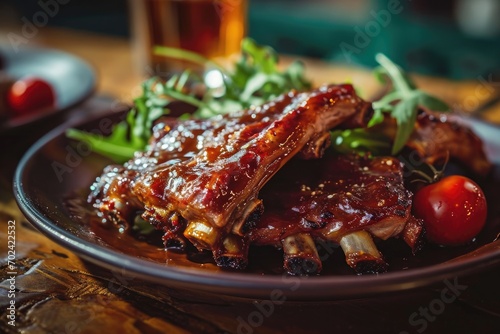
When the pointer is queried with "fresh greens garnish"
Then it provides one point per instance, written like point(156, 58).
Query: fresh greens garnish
point(255, 79)
point(402, 103)
point(361, 141)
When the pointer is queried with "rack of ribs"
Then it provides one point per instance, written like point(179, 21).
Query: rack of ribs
point(215, 191)
point(343, 199)
point(200, 181)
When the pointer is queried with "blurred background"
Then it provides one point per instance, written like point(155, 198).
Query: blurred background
point(458, 39)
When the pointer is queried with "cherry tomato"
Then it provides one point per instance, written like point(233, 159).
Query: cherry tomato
point(453, 210)
point(29, 95)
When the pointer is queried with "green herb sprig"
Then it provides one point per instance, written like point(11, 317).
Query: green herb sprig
point(254, 80)
point(402, 103)
point(360, 141)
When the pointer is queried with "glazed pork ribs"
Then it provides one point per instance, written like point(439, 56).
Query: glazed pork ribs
point(199, 181)
point(439, 136)
point(341, 199)
point(212, 196)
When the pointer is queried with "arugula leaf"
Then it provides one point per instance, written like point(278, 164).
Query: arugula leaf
point(432, 102)
point(405, 113)
point(255, 79)
point(114, 146)
point(183, 54)
point(263, 58)
point(402, 103)
point(361, 141)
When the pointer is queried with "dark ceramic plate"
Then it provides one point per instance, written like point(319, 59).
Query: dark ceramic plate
point(55, 169)
point(73, 79)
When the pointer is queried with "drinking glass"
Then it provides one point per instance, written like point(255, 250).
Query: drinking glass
point(213, 28)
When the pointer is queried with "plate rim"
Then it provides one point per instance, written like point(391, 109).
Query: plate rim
point(246, 285)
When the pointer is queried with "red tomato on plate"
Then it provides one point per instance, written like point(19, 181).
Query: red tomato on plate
point(30, 94)
point(453, 210)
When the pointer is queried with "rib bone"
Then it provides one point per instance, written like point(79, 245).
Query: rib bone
point(201, 234)
point(250, 217)
point(414, 234)
point(233, 253)
point(361, 253)
point(301, 255)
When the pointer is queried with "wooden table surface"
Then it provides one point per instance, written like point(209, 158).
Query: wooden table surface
point(57, 292)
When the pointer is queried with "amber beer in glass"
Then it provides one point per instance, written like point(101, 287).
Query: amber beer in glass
point(213, 28)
